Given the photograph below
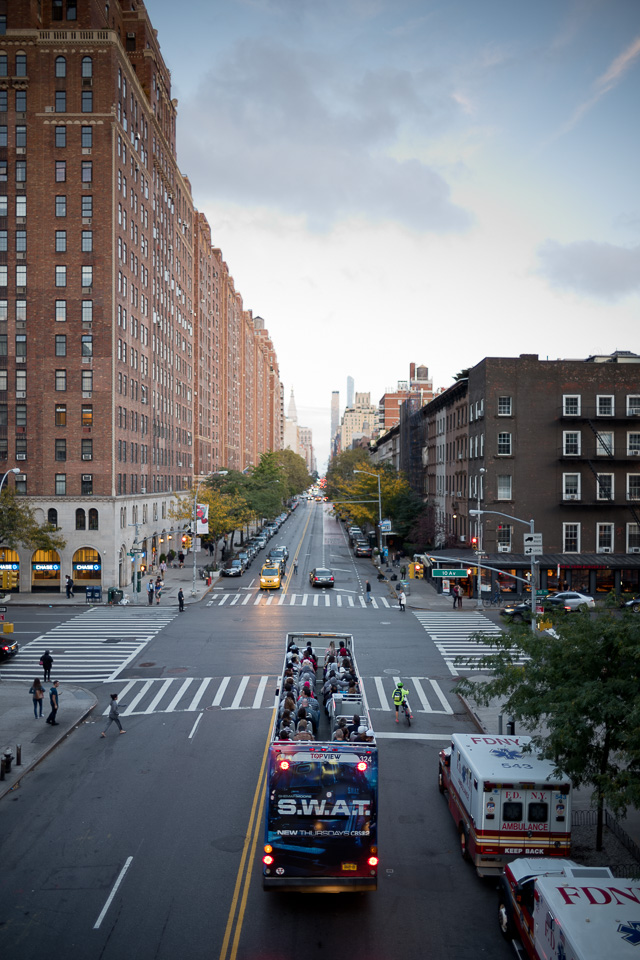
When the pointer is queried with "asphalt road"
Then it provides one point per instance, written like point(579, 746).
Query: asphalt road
point(147, 846)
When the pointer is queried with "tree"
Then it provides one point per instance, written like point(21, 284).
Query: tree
point(19, 527)
point(578, 685)
point(295, 470)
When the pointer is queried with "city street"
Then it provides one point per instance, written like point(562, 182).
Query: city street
point(148, 845)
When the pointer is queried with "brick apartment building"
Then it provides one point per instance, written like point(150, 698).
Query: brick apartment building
point(127, 363)
point(554, 441)
point(418, 387)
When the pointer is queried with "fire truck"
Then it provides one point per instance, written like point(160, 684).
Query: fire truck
point(505, 801)
point(559, 910)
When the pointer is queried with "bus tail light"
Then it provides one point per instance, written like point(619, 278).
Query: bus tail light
point(268, 859)
point(362, 766)
point(284, 764)
point(373, 861)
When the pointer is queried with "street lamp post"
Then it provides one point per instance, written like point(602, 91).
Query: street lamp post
point(377, 476)
point(531, 525)
point(479, 491)
point(13, 470)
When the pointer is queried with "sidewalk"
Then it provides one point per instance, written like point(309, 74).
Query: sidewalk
point(18, 725)
point(174, 578)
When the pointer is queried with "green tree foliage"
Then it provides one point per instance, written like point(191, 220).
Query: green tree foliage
point(19, 527)
point(295, 469)
point(578, 686)
point(357, 493)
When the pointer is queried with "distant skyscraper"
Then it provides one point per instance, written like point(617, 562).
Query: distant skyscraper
point(335, 413)
point(350, 387)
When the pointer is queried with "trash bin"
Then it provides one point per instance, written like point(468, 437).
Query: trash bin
point(110, 594)
point(117, 596)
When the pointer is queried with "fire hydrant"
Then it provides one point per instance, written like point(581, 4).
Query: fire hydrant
point(8, 760)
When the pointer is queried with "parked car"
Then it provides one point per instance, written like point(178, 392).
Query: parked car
point(363, 549)
point(321, 577)
point(234, 568)
point(633, 604)
point(270, 577)
point(570, 600)
point(246, 559)
point(8, 648)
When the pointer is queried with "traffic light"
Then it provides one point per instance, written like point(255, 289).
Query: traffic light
point(187, 541)
point(139, 582)
point(5, 579)
point(469, 571)
point(13, 580)
point(474, 542)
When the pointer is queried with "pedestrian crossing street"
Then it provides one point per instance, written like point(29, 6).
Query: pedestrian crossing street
point(94, 646)
point(193, 694)
point(451, 633)
point(328, 599)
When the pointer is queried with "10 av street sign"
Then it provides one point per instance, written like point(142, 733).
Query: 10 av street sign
point(449, 573)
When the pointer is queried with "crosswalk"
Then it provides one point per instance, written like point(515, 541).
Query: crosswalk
point(257, 692)
point(298, 600)
point(451, 634)
point(94, 646)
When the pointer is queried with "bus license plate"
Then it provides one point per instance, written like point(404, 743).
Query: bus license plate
point(349, 866)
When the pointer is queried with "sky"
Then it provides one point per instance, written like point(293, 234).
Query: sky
point(428, 181)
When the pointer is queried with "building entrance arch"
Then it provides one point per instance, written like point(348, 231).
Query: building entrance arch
point(45, 571)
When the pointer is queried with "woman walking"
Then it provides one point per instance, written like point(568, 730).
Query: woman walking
point(114, 716)
point(37, 693)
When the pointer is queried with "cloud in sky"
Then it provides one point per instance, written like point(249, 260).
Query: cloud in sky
point(591, 269)
point(291, 131)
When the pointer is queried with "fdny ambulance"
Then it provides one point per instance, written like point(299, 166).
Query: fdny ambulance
point(559, 910)
point(505, 801)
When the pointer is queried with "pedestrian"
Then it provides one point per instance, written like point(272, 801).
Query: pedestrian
point(54, 701)
point(295, 566)
point(210, 548)
point(68, 586)
point(403, 572)
point(163, 568)
point(37, 693)
point(114, 716)
point(181, 559)
point(460, 592)
point(402, 599)
point(158, 588)
point(46, 662)
point(180, 600)
point(454, 594)
point(367, 588)
point(150, 591)
point(71, 586)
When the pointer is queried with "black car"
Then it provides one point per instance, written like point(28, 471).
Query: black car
point(633, 604)
point(363, 549)
point(8, 648)
point(321, 577)
point(517, 612)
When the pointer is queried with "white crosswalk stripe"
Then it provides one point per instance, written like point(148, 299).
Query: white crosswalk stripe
point(297, 600)
point(253, 692)
point(94, 646)
point(451, 634)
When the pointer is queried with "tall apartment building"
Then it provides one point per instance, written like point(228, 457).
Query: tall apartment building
point(358, 421)
point(335, 417)
point(122, 342)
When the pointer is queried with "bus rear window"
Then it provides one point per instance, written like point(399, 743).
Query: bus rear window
point(511, 811)
point(538, 812)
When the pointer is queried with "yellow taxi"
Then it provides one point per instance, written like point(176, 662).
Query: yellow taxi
point(269, 577)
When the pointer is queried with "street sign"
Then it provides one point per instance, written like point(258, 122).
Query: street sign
point(385, 526)
point(449, 573)
point(3, 609)
point(532, 544)
point(533, 551)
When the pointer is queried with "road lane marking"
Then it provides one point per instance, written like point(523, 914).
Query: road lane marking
point(217, 700)
point(178, 696)
point(112, 894)
point(195, 726)
point(257, 700)
point(156, 700)
point(201, 689)
point(239, 692)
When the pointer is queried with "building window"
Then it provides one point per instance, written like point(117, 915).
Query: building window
point(633, 444)
point(604, 537)
point(87, 345)
point(61, 63)
point(87, 101)
point(571, 443)
point(633, 538)
point(87, 241)
point(3, 64)
point(81, 519)
point(86, 138)
point(87, 449)
point(571, 537)
point(633, 405)
point(3, 202)
point(633, 486)
point(87, 171)
point(604, 486)
point(72, 10)
point(21, 101)
point(60, 100)
point(61, 171)
point(4, 241)
point(61, 345)
point(61, 415)
point(504, 444)
point(87, 416)
point(21, 347)
point(61, 380)
point(21, 276)
point(61, 206)
point(61, 310)
point(61, 276)
point(21, 311)
point(87, 276)
point(52, 517)
point(93, 518)
point(4, 275)
point(87, 206)
point(571, 405)
point(504, 406)
point(61, 136)
point(604, 444)
point(21, 65)
point(21, 448)
point(504, 537)
point(4, 101)
point(605, 406)
point(504, 487)
point(87, 67)
point(87, 381)
point(21, 414)
point(61, 449)
point(21, 205)
point(21, 241)
point(21, 382)
point(21, 171)
point(61, 241)
point(571, 486)
point(61, 484)
point(86, 487)
point(87, 311)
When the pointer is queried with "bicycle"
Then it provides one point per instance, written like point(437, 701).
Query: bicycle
point(493, 601)
point(407, 711)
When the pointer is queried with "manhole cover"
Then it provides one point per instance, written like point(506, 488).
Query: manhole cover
point(151, 663)
point(112, 640)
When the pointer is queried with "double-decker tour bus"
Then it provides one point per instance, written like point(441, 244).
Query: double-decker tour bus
point(322, 794)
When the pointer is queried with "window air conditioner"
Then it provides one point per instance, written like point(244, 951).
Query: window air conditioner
point(21, 394)
point(634, 453)
point(571, 496)
point(634, 549)
point(504, 547)
point(604, 550)
point(21, 456)
point(87, 456)
point(87, 476)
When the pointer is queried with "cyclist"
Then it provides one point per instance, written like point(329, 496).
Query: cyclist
point(399, 697)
